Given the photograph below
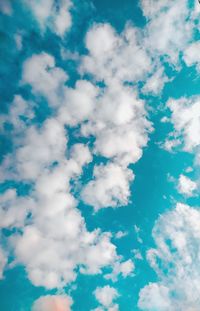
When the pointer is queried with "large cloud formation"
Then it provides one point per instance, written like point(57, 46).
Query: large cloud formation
point(50, 237)
point(176, 262)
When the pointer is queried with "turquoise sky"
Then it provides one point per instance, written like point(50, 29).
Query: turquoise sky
point(99, 149)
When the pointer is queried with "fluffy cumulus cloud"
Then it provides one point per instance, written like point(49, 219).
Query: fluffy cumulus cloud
point(185, 113)
point(40, 72)
point(52, 14)
point(119, 120)
point(114, 115)
point(170, 27)
point(42, 159)
point(110, 186)
point(191, 55)
point(39, 245)
point(106, 296)
point(52, 303)
point(176, 262)
point(112, 56)
point(186, 186)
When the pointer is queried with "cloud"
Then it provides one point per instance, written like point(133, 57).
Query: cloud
point(54, 15)
point(106, 296)
point(41, 246)
point(79, 103)
point(50, 143)
point(52, 303)
point(186, 185)
point(176, 262)
point(43, 160)
point(169, 28)
point(40, 160)
point(18, 109)
point(156, 82)
point(13, 209)
point(154, 297)
point(191, 55)
point(124, 269)
point(40, 73)
point(185, 113)
point(110, 186)
point(114, 57)
point(121, 234)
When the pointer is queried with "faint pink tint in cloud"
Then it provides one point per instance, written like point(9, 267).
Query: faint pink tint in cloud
point(52, 303)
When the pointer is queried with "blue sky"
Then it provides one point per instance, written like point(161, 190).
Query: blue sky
point(99, 150)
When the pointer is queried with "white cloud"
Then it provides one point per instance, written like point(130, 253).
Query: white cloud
point(169, 28)
point(119, 124)
point(124, 269)
point(114, 115)
point(41, 246)
point(185, 119)
point(62, 17)
point(170, 144)
point(52, 303)
point(40, 148)
point(40, 72)
point(54, 15)
point(79, 103)
point(186, 185)
point(156, 82)
point(154, 297)
point(121, 234)
point(191, 55)
point(51, 257)
point(176, 262)
point(114, 57)
point(13, 209)
point(18, 109)
point(106, 296)
point(110, 186)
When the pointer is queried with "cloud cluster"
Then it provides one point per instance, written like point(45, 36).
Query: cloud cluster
point(115, 57)
point(113, 114)
point(119, 120)
point(52, 240)
point(169, 28)
point(52, 14)
point(176, 262)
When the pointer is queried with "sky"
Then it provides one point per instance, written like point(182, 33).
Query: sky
point(100, 155)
